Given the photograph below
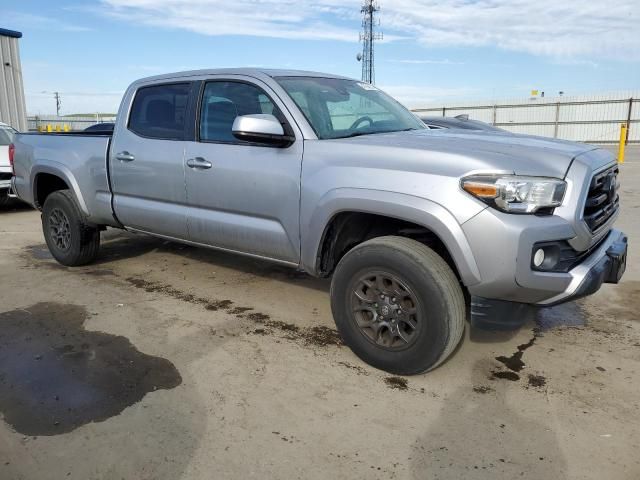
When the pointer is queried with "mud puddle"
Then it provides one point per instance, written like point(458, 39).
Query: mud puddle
point(501, 375)
point(55, 376)
point(537, 381)
point(514, 362)
point(397, 383)
point(565, 315)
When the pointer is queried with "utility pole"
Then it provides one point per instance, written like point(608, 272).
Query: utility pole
point(58, 102)
point(367, 37)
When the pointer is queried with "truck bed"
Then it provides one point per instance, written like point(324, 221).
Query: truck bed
point(79, 157)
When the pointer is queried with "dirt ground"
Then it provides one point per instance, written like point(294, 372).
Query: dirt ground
point(163, 361)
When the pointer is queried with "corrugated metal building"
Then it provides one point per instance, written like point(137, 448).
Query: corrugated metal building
point(12, 105)
point(584, 118)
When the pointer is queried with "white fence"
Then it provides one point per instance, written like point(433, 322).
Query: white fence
point(75, 123)
point(592, 119)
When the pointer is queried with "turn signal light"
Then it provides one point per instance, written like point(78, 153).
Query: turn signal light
point(482, 190)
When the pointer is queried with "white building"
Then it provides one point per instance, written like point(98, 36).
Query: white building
point(12, 104)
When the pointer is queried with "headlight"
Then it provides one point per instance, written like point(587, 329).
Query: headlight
point(514, 194)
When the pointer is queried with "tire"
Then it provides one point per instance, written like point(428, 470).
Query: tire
point(71, 241)
point(424, 318)
point(4, 199)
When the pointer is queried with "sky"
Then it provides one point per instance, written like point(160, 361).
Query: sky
point(433, 52)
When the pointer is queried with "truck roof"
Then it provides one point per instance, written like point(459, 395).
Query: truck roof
point(252, 72)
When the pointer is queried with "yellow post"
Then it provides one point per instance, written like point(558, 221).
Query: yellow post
point(49, 129)
point(623, 141)
point(66, 127)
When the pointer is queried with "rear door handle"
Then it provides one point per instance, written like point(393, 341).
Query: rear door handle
point(199, 163)
point(125, 156)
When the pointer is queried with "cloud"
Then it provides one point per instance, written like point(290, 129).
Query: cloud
point(562, 30)
point(286, 19)
point(26, 21)
point(567, 29)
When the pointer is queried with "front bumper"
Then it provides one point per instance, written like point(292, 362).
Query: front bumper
point(606, 264)
point(502, 245)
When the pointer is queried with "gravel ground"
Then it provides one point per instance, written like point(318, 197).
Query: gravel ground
point(163, 361)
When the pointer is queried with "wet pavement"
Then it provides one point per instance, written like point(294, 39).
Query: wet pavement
point(56, 376)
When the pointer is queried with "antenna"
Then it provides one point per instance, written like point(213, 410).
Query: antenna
point(367, 37)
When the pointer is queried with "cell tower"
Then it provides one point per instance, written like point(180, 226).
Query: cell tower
point(367, 37)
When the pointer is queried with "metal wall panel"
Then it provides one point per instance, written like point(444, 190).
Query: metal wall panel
point(587, 118)
point(12, 102)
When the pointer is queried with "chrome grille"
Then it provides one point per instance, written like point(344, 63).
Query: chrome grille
point(602, 200)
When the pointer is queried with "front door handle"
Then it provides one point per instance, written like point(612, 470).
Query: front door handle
point(199, 163)
point(125, 156)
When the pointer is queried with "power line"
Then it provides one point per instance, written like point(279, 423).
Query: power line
point(56, 96)
point(58, 102)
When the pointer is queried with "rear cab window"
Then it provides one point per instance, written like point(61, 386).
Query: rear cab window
point(6, 135)
point(160, 111)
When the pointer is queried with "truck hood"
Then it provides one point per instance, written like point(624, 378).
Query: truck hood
point(457, 152)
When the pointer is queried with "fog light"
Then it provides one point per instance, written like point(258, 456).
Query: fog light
point(538, 258)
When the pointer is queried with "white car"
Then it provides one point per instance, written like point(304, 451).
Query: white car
point(6, 138)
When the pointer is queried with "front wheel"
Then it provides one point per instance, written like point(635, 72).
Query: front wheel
point(71, 241)
point(398, 305)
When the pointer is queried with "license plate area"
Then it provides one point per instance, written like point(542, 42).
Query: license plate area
point(617, 254)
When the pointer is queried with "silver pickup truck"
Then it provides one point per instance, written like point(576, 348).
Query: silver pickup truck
point(420, 229)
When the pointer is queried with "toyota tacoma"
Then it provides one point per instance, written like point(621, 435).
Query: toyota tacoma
point(420, 229)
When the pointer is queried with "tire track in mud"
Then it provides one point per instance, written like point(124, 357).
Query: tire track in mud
point(318, 336)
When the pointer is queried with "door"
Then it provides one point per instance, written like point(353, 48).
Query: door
point(243, 197)
point(147, 161)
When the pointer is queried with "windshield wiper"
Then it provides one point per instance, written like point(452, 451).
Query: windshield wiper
point(358, 134)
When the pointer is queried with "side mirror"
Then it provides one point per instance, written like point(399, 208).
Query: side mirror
point(261, 128)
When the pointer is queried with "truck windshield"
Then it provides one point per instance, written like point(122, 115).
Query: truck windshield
point(6, 136)
point(341, 108)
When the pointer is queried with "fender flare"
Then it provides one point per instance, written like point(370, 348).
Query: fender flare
point(62, 171)
point(420, 211)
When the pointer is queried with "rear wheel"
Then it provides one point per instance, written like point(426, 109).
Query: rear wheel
point(4, 198)
point(71, 240)
point(398, 305)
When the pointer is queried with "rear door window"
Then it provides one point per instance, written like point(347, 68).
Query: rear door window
point(159, 111)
